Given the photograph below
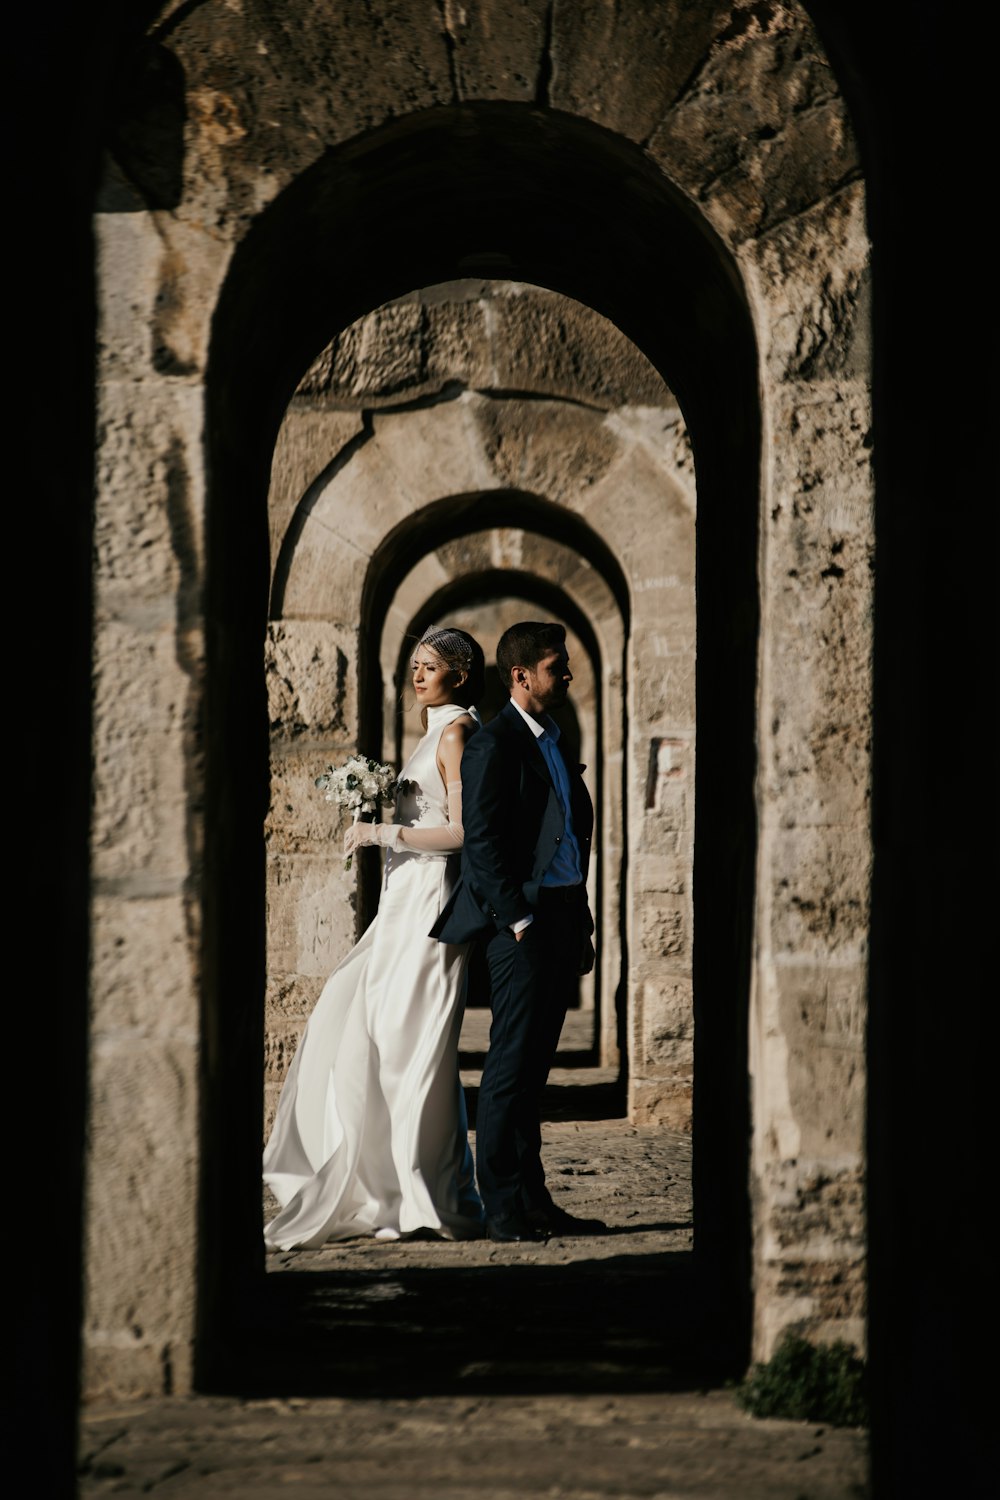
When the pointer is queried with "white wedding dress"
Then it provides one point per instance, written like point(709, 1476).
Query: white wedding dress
point(371, 1129)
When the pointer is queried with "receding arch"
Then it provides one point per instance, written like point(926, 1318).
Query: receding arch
point(342, 536)
point(456, 515)
point(559, 202)
point(609, 994)
point(495, 583)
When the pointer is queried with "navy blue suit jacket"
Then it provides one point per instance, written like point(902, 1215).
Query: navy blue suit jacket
point(513, 826)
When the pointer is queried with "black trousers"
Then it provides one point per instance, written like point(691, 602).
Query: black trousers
point(532, 982)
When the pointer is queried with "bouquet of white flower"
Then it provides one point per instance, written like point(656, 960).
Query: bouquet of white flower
point(360, 784)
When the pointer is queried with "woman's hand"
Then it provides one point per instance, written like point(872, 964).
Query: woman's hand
point(359, 835)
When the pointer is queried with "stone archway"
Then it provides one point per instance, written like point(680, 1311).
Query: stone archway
point(722, 390)
point(691, 216)
point(377, 506)
point(887, 74)
point(581, 454)
point(395, 499)
point(487, 600)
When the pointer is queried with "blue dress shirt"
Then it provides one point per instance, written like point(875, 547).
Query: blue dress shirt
point(566, 868)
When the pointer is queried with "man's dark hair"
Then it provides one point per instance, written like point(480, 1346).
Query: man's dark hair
point(524, 645)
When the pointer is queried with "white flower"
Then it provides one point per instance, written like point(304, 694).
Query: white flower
point(359, 785)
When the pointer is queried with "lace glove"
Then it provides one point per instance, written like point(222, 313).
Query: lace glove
point(442, 840)
point(361, 834)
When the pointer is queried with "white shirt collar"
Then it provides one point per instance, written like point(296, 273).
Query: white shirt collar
point(548, 726)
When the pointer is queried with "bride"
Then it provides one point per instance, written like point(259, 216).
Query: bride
point(371, 1131)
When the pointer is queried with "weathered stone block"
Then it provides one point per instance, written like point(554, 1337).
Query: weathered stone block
point(666, 1057)
point(127, 1367)
point(474, 553)
point(310, 913)
point(664, 696)
point(663, 872)
point(309, 441)
point(281, 1040)
point(356, 508)
point(379, 355)
point(143, 947)
point(663, 927)
point(815, 1204)
point(145, 709)
point(129, 251)
point(291, 997)
point(670, 805)
point(624, 65)
point(458, 343)
point(661, 1102)
point(326, 576)
point(815, 328)
point(439, 453)
point(299, 819)
point(820, 782)
point(812, 1253)
point(486, 335)
point(148, 513)
point(310, 667)
point(665, 1009)
point(549, 344)
point(267, 94)
point(143, 1134)
point(425, 578)
point(760, 133)
point(820, 883)
point(499, 47)
point(822, 1013)
point(821, 458)
point(272, 1093)
point(654, 528)
point(548, 448)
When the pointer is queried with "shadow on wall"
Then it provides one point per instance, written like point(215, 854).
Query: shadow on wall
point(147, 112)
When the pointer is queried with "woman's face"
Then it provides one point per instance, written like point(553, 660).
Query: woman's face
point(433, 682)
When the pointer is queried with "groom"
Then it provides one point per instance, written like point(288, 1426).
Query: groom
point(528, 820)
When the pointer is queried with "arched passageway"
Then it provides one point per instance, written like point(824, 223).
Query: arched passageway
point(578, 210)
point(394, 485)
point(568, 573)
point(486, 604)
point(887, 75)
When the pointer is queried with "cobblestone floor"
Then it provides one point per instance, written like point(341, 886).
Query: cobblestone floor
point(636, 1178)
point(428, 1368)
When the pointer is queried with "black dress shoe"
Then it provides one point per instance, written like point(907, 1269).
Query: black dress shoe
point(555, 1220)
point(510, 1229)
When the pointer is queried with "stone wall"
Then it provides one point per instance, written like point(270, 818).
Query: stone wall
point(143, 1133)
point(736, 109)
point(809, 1006)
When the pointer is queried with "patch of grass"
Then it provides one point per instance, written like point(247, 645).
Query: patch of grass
point(808, 1382)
